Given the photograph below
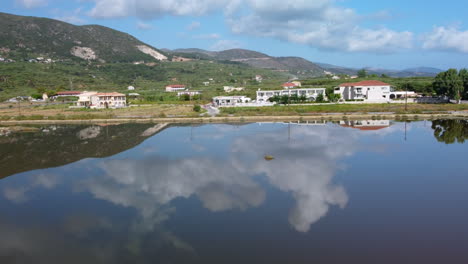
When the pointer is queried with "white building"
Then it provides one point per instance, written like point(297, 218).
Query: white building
point(367, 125)
point(310, 93)
point(230, 100)
point(102, 100)
point(374, 91)
point(189, 93)
point(175, 88)
point(131, 88)
point(258, 78)
point(229, 89)
point(289, 85)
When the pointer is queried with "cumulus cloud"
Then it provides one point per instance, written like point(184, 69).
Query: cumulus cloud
point(447, 39)
point(31, 3)
point(225, 44)
point(321, 23)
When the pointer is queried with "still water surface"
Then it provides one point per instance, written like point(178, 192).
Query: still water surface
point(349, 192)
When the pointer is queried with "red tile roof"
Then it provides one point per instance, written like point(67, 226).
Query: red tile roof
point(365, 83)
point(289, 85)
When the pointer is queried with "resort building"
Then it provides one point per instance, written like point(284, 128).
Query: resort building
point(175, 88)
point(376, 91)
point(102, 100)
point(311, 94)
point(230, 100)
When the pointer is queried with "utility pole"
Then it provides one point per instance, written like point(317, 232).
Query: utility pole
point(406, 97)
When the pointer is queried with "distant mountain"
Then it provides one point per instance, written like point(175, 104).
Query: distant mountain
point(411, 72)
point(24, 37)
point(424, 70)
point(294, 65)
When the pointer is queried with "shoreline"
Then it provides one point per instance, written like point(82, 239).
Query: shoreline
point(248, 119)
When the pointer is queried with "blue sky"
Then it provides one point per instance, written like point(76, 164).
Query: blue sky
point(384, 34)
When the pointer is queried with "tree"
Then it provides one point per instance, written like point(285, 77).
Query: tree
point(362, 73)
point(464, 77)
point(449, 83)
point(320, 98)
point(197, 108)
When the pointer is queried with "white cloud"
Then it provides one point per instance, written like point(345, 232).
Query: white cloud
point(207, 36)
point(144, 26)
point(225, 45)
point(31, 3)
point(194, 25)
point(319, 23)
point(152, 9)
point(447, 39)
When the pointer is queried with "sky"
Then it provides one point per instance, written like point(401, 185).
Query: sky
point(353, 33)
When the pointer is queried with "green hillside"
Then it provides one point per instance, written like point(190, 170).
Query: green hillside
point(28, 37)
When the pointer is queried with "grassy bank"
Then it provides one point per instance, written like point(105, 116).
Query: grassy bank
point(340, 108)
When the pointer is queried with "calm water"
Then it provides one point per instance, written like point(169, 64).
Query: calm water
point(362, 192)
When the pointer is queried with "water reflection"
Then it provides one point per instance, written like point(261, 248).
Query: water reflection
point(450, 131)
point(119, 209)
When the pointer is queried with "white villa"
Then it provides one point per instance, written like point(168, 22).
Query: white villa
point(310, 93)
point(230, 100)
point(102, 100)
point(367, 125)
point(376, 91)
point(175, 88)
point(289, 85)
point(229, 89)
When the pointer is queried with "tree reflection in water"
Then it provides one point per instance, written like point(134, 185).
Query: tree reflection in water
point(450, 131)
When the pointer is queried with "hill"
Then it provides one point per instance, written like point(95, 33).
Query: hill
point(295, 65)
point(411, 72)
point(24, 37)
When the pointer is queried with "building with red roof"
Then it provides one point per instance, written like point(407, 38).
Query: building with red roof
point(289, 85)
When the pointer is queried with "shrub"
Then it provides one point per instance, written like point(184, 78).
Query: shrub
point(197, 108)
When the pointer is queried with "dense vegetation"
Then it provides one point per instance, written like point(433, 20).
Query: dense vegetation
point(23, 78)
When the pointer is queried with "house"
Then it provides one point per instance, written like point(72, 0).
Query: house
point(189, 93)
point(311, 94)
point(335, 77)
point(131, 88)
point(175, 88)
point(258, 78)
point(229, 89)
point(206, 83)
point(102, 100)
point(298, 84)
point(230, 100)
point(84, 99)
point(371, 90)
point(289, 85)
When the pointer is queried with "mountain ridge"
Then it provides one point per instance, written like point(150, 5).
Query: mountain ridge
point(23, 37)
